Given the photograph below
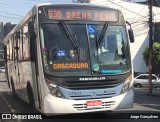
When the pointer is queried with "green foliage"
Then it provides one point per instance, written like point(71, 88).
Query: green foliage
point(156, 53)
point(156, 56)
point(146, 55)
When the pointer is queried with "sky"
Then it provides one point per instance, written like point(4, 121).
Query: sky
point(14, 10)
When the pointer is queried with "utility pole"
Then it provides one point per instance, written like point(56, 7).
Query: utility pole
point(150, 46)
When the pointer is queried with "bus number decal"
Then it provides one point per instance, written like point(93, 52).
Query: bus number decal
point(54, 14)
point(79, 14)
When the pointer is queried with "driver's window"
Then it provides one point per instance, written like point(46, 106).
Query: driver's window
point(112, 43)
point(103, 47)
point(109, 44)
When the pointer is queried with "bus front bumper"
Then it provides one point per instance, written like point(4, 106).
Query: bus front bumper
point(54, 105)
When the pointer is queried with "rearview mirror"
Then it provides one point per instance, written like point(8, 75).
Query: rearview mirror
point(130, 32)
point(131, 35)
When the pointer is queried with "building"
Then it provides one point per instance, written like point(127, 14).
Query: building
point(1, 44)
point(138, 18)
point(136, 1)
point(4, 30)
point(7, 28)
point(146, 2)
point(157, 32)
point(1, 35)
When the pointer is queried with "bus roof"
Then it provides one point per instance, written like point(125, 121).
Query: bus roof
point(30, 13)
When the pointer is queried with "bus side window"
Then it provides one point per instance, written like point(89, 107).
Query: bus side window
point(20, 40)
point(15, 48)
point(7, 51)
point(10, 49)
point(26, 43)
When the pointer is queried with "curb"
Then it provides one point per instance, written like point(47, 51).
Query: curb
point(155, 92)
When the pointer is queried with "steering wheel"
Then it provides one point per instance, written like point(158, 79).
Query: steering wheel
point(106, 57)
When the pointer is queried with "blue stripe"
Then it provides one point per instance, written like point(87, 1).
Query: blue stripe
point(110, 71)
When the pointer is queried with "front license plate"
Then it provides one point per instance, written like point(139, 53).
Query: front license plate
point(94, 103)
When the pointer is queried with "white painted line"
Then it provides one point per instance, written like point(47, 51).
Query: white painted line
point(9, 106)
point(6, 102)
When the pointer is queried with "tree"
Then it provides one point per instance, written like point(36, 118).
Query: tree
point(156, 57)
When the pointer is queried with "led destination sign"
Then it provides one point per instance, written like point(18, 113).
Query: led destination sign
point(79, 14)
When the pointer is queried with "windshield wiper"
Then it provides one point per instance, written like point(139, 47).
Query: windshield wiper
point(72, 37)
point(102, 34)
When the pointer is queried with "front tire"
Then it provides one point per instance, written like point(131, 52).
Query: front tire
point(30, 96)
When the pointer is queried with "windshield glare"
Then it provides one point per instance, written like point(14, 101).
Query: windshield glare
point(61, 58)
point(111, 56)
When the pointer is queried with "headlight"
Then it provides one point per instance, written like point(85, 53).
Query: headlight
point(54, 90)
point(127, 84)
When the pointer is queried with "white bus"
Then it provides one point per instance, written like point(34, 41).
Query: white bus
point(71, 58)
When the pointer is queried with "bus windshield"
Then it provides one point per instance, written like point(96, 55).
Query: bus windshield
point(76, 49)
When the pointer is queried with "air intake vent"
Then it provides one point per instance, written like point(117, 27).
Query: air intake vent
point(98, 96)
point(77, 85)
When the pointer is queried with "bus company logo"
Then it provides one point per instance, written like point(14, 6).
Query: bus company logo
point(6, 116)
point(92, 78)
point(93, 95)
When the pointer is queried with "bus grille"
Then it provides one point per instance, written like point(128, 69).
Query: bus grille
point(98, 96)
point(77, 85)
point(81, 107)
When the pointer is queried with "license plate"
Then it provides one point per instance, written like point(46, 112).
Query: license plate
point(94, 103)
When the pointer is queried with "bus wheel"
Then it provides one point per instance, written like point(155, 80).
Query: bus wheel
point(13, 90)
point(30, 96)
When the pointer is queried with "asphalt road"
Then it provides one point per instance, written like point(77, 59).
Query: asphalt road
point(142, 104)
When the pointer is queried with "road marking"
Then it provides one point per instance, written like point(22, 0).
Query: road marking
point(145, 107)
point(9, 106)
point(6, 102)
point(149, 104)
point(9, 93)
